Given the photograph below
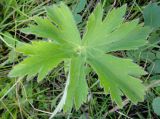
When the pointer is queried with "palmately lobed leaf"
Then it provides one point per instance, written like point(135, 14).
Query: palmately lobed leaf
point(103, 35)
point(118, 76)
point(39, 61)
point(113, 31)
point(96, 26)
point(78, 89)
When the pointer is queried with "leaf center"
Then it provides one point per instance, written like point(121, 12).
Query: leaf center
point(80, 50)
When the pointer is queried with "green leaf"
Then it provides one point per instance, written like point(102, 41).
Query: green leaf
point(77, 9)
point(78, 18)
point(117, 35)
point(154, 67)
point(80, 6)
point(41, 28)
point(64, 20)
point(141, 55)
point(103, 34)
point(154, 38)
point(133, 40)
point(156, 105)
point(151, 15)
point(155, 77)
point(77, 89)
point(120, 72)
point(96, 26)
point(40, 60)
point(57, 28)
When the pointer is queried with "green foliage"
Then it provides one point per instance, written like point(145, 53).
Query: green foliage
point(154, 68)
point(117, 76)
point(151, 17)
point(156, 105)
point(10, 41)
point(14, 13)
point(77, 9)
point(37, 55)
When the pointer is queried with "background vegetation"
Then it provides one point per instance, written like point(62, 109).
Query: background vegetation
point(32, 100)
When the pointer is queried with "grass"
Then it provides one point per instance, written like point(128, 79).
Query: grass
point(27, 99)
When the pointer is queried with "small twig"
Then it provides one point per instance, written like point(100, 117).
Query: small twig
point(88, 6)
point(114, 3)
point(124, 115)
point(26, 96)
point(46, 112)
point(125, 102)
